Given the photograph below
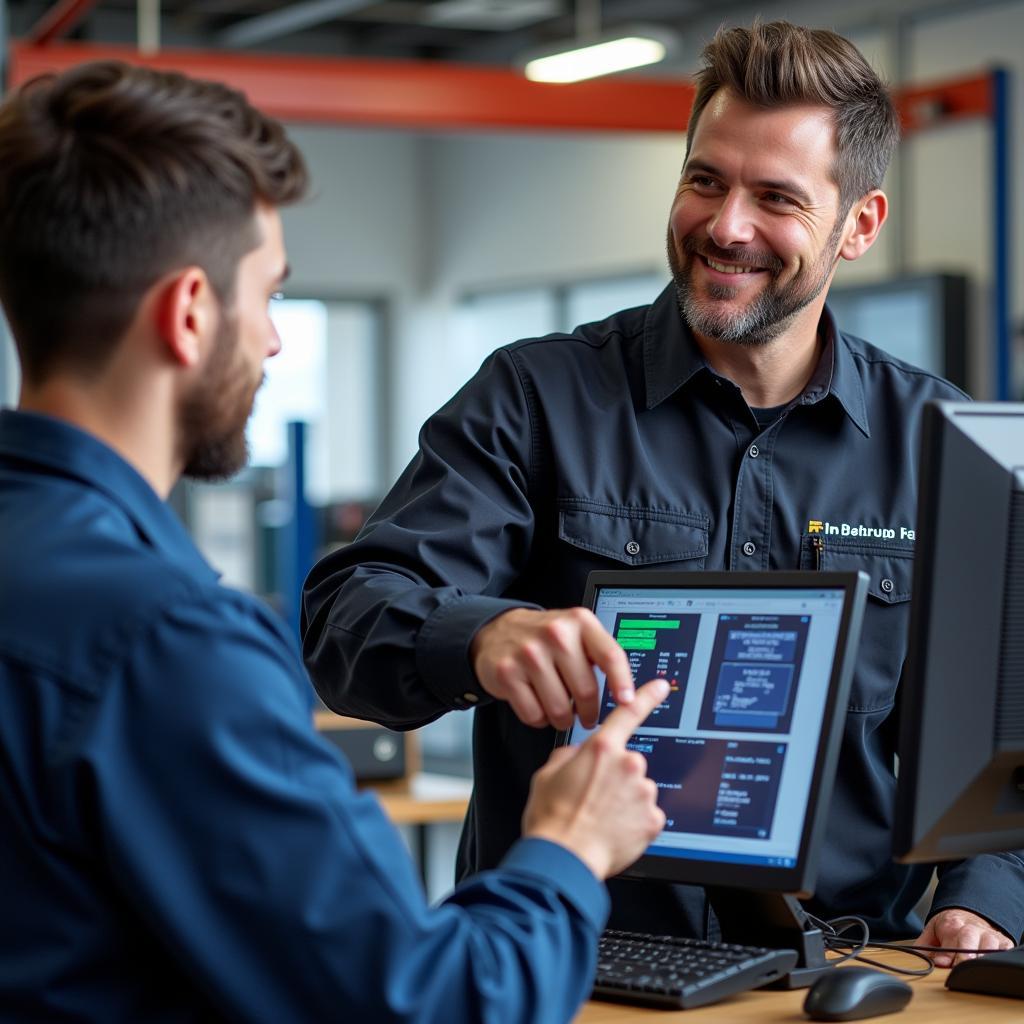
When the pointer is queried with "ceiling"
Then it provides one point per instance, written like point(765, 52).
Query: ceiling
point(494, 32)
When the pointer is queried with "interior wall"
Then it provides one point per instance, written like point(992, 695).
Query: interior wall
point(420, 221)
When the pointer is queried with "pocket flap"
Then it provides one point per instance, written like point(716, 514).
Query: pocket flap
point(634, 536)
point(889, 564)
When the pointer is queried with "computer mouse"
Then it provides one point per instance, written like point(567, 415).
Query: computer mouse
point(853, 993)
point(995, 974)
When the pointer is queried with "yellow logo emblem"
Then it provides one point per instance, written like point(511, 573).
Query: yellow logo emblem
point(814, 526)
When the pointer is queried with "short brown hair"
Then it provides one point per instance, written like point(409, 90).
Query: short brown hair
point(776, 64)
point(110, 177)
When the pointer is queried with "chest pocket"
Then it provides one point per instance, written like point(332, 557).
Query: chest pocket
point(889, 565)
point(634, 536)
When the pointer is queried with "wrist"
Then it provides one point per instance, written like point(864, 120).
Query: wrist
point(593, 858)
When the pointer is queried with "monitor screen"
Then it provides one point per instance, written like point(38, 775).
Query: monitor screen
point(921, 319)
point(739, 749)
point(960, 789)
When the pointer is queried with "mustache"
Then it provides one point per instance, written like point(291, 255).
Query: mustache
point(760, 258)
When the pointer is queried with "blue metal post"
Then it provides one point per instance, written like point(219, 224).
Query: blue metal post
point(297, 546)
point(1002, 234)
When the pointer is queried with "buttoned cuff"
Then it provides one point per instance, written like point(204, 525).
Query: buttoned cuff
point(442, 648)
point(556, 866)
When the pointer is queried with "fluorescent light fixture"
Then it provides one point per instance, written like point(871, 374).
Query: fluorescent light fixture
point(573, 62)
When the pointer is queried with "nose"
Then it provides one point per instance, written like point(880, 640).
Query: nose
point(275, 342)
point(732, 223)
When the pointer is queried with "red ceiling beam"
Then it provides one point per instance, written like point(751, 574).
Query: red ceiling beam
point(447, 97)
point(59, 20)
point(400, 93)
point(925, 106)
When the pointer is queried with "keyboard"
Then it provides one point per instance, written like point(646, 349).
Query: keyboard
point(679, 974)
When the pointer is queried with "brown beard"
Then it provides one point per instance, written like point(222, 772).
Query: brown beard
point(213, 417)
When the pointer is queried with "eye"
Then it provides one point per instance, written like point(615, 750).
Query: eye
point(777, 199)
point(703, 181)
point(276, 296)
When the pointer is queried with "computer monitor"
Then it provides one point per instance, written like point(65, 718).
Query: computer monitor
point(744, 747)
point(960, 789)
point(922, 319)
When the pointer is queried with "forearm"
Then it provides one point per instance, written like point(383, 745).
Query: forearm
point(388, 620)
point(386, 647)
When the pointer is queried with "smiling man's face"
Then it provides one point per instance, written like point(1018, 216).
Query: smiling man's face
point(755, 225)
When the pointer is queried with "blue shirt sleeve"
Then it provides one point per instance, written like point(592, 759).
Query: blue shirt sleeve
point(239, 837)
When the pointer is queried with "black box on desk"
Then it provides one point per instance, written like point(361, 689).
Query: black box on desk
point(375, 753)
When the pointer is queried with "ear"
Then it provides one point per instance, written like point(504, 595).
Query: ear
point(863, 223)
point(186, 315)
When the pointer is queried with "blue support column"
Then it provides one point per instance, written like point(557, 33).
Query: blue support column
point(1002, 234)
point(297, 547)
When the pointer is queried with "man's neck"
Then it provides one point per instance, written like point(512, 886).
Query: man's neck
point(769, 375)
point(141, 440)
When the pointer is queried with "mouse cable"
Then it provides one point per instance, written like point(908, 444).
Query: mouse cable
point(834, 941)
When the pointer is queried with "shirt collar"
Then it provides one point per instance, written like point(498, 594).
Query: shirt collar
point(672, 357)
point(844, 383)
point(62, 449)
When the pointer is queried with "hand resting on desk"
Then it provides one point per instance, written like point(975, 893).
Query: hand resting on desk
point(960, 929)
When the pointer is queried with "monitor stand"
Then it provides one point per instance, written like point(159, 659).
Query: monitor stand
point(776, 920)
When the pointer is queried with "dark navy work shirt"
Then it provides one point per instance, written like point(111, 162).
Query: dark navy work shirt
point(176, 843)
point(618, 446)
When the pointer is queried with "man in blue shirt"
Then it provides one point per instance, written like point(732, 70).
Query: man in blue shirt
point(178, 844)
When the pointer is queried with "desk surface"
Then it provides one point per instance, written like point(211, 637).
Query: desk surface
point(932, 1003)
point(424, 799)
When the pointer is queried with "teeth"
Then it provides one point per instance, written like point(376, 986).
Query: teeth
point(725, 269)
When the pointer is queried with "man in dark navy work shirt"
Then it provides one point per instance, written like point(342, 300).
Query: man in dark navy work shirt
point(177, 843)
point(729, 425)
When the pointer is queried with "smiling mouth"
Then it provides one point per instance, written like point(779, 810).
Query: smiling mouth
point(730, 268)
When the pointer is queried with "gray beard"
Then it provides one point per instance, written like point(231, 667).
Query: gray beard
point(768, 315)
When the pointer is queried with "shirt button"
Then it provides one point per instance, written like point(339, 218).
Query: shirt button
point(887, 585)
point(749, 548)
point(754, 451)
point(632, 548)
point(472, 698)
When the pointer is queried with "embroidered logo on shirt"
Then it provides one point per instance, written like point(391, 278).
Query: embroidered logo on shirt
point(858, 530)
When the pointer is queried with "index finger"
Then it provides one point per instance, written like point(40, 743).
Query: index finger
point(627, 718)
point(604, 651)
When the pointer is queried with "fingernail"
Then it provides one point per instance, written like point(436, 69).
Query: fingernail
point(664, 687)
point(626, 697)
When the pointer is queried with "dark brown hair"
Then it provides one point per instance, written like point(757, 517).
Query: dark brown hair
point(776, 64)
point(110, 177)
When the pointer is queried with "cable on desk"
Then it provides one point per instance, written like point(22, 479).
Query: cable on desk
point(832, 932)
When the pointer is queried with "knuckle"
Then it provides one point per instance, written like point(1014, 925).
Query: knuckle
point(532, 653)
point(559, 634)
point(506, 670)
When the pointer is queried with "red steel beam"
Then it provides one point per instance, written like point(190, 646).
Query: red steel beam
point(925, 106)
point(436, 96)
point(58, 20)
point(400, 93)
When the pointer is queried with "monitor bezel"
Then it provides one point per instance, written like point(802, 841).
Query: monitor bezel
point(800, 878)
point(943, 749)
